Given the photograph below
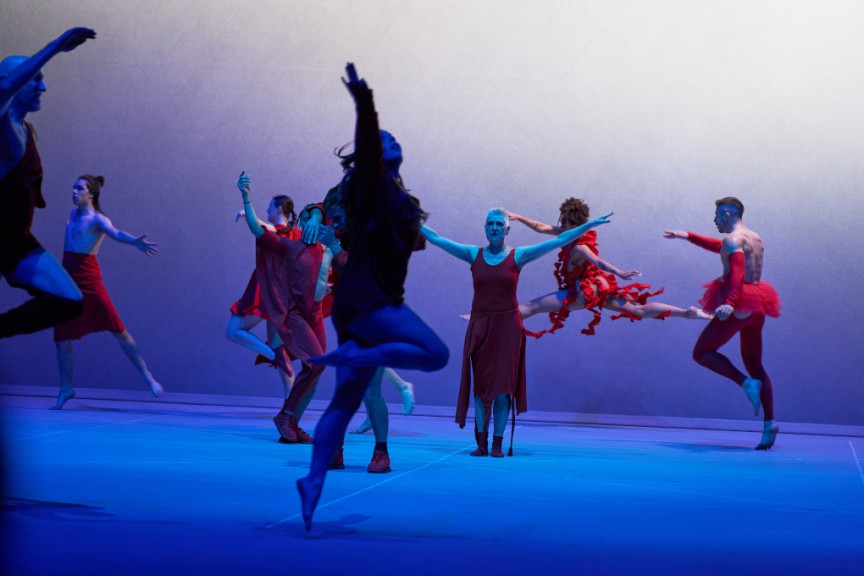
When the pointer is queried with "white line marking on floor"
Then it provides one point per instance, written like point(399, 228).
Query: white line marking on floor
point(860, 471)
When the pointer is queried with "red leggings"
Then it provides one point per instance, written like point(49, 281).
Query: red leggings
point(719, 332)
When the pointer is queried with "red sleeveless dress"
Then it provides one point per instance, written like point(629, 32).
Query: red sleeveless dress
point(596, 285)
point(494, 349)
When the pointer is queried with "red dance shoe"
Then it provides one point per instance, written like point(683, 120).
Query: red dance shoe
point(380, 462)
point(289, 431)
point(338, 462)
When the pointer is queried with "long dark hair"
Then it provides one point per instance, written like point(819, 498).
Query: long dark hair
point(94, 186)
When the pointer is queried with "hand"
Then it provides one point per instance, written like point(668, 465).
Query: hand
point(675, 234)
point(601, 220)
point(353, 81)
point(326, 235)
point(512, 215)
point(244, 183)
point(723, 312)
point(73, 38)
point(149, 248)
point(627, 274)
point(311, 228)
point(239, 215)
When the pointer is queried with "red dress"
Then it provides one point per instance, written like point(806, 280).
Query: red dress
point(250, 303)
point(494, 347)
point(595, 285)
point(99, 314)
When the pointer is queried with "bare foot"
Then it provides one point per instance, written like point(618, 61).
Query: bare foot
point(407, 394)
point(310, 492)
point(364, 427)
point(769, 435)
point(752, 387)
point(155, 388)
point(62, 398)
point(694, 313)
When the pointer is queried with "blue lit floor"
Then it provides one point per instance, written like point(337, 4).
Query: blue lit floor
point(114, 487)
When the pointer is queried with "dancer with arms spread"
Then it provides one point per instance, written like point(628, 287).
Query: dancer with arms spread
point(23, 261)
point(740, 300)
point(586, 281)
point(374, 326)
point(86, 229)
point(495, 342)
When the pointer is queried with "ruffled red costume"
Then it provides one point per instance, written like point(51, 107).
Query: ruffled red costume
point(250, 303)
point(596, 285)
point(99, 314)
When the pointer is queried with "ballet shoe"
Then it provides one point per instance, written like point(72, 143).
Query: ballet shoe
point(769, 435)
point(482, 444)
point(364, 427)
point(407, 394)
point(497, 451)
point(380, 462)
point(752, 388)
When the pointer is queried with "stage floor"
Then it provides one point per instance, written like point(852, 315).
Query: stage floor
point(119, 487)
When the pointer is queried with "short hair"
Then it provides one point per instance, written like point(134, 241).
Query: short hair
point(499, 212)
point(94, 186)
point(574, 212)
point(732, 202)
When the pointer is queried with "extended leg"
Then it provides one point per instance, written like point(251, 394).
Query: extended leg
point(656, 310)
point(547, 303)
point(751, 352)
point(65, 361)
point(238, 331)
point(130, 348)
point(716, 334)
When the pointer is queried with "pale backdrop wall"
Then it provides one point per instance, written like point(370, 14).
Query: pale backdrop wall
point(650, 109)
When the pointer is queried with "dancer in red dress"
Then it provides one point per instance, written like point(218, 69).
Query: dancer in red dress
point(495, 342)
point(740, 300)
point(86, 229)
point(586, 281)
point(23, 261)
point(374, 325)
point(288, 272)
point(247, 312)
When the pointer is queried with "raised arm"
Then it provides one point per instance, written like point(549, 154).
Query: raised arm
point(527, 254)
point(105, 225)
point(462, 251)
point(265, 225)
point(534, 224)
point(29, 68)
point(244, 184)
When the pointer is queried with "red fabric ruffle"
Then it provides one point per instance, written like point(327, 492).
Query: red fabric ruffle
point(759, 298)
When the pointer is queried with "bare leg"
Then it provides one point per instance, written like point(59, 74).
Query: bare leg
point(130, 348)
point(656, 309)
point(406, 390)
point(551, 302)
point(238, 331)
point(65, 361)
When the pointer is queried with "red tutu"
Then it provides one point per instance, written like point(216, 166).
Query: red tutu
point(759, 298)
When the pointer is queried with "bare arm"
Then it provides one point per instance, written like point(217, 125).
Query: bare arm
point(244, 184)
point(104, 224)
point(29, 68)
point(534, 224)
point(604, 265)
point(265, 225)
point(527, 254)
point(464, 252)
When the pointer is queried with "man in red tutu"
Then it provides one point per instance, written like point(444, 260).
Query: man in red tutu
point(85, 231)
point(740, 300)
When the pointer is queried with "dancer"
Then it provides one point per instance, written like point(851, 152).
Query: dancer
point(374, 325)
point(740, 300)
point(587, 281)
point(247, 313)
point(494, 342)
point(23, 261)
point(86, 229)
point(288, 272)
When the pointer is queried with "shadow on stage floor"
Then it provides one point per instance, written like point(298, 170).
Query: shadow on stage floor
point(113, 486)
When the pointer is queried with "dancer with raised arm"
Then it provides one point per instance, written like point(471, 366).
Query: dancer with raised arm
point(739, 300)
point(247, 312)
point(586, 281)
point(86, 229)
point(288, 272)
point(494, 342)
point(374, 325)
point(23, 261)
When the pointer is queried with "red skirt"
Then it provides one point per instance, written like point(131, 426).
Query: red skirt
point(250, 303)
point(99, 314)
point(759, 298)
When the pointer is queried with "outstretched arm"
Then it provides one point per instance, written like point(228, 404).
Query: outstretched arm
point(105, 225)
point(534, 224)
point(29, 68)
point(706, 242)
point(604, 265)
point(462, 251)
point(244, 184)
point(527, 254)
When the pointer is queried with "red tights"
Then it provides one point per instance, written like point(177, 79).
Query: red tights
point(719, 332)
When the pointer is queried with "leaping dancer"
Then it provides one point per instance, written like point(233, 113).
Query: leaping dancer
point(740, 300)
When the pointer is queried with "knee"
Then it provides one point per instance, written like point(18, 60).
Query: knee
point(437, 357)
point(698, 355)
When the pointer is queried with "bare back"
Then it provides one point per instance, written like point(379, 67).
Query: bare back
point(742, 239)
